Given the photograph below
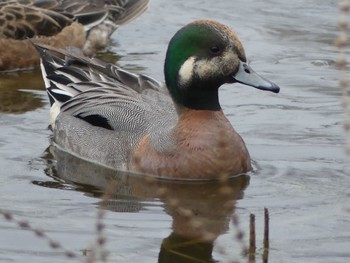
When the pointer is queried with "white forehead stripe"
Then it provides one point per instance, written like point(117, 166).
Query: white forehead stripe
point(186, 71)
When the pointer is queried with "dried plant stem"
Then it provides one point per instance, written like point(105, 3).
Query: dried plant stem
point(342, 43)
point(252, 239)
point(266, 235)
point(240, 234)
point(24, 225)
point(97, 251)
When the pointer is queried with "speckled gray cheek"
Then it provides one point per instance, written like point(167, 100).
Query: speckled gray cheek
point(205, 68)
point(230, 62)
point(223, 65)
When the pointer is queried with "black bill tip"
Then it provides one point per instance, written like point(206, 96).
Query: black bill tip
point(273, 88)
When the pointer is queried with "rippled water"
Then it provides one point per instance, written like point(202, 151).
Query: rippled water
point(295, 138)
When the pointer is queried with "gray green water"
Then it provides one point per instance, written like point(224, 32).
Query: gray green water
point(295, 138)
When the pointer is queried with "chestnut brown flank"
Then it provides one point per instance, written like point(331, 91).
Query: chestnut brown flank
point(206, 147)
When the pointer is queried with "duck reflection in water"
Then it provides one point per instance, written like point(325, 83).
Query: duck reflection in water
point(201, 211)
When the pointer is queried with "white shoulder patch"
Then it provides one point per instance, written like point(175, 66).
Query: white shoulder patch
point(54, 111)
point(186, 70)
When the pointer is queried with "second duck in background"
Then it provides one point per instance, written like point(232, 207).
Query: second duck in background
point(85, 24)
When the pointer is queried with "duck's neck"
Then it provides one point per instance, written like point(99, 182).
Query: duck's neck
point(202, 99)
point(196, 97)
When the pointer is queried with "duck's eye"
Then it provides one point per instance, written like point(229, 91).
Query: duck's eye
point(215, 50)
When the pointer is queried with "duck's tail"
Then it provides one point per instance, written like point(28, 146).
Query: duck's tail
point(93, 12)
point(66, 78)
point(119, 13)
point(131, 10)
point(59, 78)
point(58, 94)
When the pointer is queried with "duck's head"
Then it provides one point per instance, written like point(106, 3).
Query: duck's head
point(201, 57)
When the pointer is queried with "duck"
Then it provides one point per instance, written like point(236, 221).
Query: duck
point(83, 24)
point(175, 130)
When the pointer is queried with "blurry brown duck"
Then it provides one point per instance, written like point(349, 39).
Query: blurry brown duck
point(85, 24)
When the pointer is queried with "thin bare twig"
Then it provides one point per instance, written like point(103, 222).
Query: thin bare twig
point(342, 43)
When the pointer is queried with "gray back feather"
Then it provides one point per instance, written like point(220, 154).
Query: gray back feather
point(132, 104)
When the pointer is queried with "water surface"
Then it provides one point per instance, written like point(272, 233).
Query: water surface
point(295, 138)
